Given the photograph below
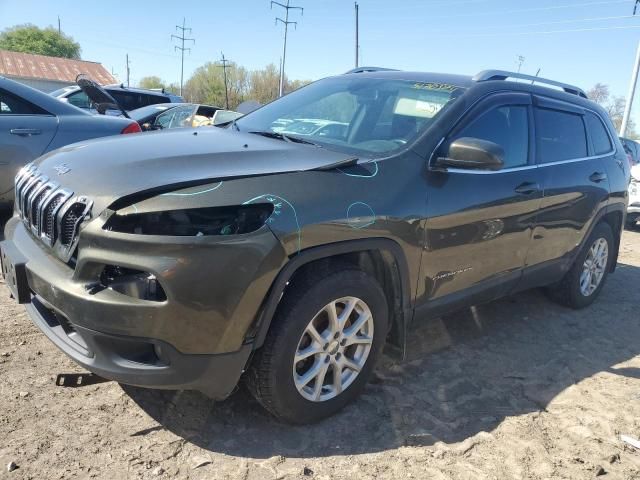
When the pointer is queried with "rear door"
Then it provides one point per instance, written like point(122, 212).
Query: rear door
point(25, 132)
point(575, 184)
point(480, 221)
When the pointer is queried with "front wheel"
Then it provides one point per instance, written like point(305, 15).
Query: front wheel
point(322, 345)
point(584, 281)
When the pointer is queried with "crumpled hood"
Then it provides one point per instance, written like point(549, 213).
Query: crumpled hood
point(108, 169)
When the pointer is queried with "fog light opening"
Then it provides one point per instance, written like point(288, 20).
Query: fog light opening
point(133, 283)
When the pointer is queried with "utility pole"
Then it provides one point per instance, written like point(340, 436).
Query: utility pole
point(286, 24)
point(357, 38)
point(632, 92)
point(182, 48)
point(128, 70)
point(224, 66)
point(520, 62)
point(59, 30)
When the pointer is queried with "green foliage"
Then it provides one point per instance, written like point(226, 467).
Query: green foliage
point(206, 85)
point(151, 82)
point(31, 39)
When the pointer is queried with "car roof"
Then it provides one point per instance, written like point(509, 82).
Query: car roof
point(75, 88)
point(498, 78)
point(39, 98)
point(432, 77)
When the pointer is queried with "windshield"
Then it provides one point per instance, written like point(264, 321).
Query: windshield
point(369, 117)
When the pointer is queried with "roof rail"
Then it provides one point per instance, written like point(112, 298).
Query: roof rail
point(486, 75)
point(371, 69)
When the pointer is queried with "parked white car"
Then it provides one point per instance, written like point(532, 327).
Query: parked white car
point(633, 210)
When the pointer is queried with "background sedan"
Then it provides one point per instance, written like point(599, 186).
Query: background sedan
point(33, 123)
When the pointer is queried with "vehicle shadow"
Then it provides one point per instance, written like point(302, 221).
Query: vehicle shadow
point(464, 374)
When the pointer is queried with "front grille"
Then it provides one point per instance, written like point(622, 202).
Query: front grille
point(48, 210)
point(48, 226)
point(69, 223)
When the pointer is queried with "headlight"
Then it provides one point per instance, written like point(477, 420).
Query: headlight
point(194, 222)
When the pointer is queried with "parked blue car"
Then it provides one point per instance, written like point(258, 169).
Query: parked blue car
point(33, 123)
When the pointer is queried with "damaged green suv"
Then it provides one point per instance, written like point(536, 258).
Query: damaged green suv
point(289, 247)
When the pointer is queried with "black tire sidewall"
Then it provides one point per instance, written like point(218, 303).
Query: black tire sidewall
point(287, 402)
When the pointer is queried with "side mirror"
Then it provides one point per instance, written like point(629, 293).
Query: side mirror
point(473, 153)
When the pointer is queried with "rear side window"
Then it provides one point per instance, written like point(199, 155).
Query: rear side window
point(507, 126)
point(559, 136)
point(12, 105)
point(599, 137)
point(153, 99)
point(79, 99)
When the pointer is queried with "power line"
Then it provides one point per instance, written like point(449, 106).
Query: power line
point(286, 24)
point(542, 24)
point(540, 32)
point(531, 9)
point(560, 22)
point(224, 67)
point(182, 48)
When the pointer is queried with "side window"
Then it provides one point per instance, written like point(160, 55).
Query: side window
point(12, 105)
point(507, 126)
point(175, 118)
point(79, 99)
point(559, 136)
point(599, 136)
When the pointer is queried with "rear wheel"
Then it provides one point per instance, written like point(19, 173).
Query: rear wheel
point(583, 282)
point(322, 345)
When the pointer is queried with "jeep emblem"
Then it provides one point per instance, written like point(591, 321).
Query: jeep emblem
point(62, 169)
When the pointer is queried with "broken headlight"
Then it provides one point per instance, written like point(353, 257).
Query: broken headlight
point(195, 222)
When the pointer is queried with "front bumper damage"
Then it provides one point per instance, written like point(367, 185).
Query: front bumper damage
point(195, 338)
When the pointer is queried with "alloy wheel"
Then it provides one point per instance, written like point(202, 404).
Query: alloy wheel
point(594, 267)
point(333, 349)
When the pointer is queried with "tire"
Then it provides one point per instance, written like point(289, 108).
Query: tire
point(570, 291)
point(271, 375)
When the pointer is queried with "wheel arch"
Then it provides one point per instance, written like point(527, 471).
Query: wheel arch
point(614, 216)
point(381, 257)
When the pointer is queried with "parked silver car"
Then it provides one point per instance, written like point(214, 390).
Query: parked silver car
point(33, 123)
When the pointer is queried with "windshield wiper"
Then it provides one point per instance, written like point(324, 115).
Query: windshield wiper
point(286, 138)
point(347, 162)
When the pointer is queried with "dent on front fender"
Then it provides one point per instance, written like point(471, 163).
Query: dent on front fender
point(214, 285)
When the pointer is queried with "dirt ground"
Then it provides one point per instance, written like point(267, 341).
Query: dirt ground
point(519, 388)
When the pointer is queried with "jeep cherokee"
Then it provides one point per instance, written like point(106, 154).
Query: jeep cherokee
point(187, 259)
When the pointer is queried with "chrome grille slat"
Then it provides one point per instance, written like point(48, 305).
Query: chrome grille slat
point(50, 212)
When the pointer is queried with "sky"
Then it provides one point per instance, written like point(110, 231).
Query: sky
point(581, 42)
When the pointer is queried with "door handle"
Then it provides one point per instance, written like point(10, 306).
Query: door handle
point(25, 132)
point(527, 188)
point(597, 177)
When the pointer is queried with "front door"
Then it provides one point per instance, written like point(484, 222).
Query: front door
point(479, 222)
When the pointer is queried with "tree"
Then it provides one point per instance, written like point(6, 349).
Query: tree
point(28, 38)
point(206, 85)
point(151, 82)
point(614, 107)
